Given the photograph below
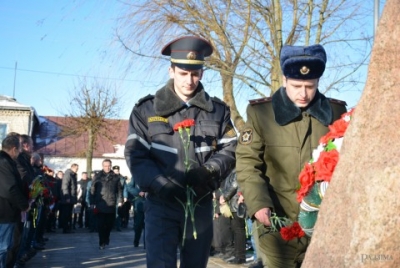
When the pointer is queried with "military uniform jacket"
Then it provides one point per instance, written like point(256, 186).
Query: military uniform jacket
point(276, 142)
point(154, 151)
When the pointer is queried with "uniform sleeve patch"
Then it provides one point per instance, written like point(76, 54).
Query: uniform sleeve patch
point(246, 137)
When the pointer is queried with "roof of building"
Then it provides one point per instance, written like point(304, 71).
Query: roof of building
point(11, 103)
point(48, 141)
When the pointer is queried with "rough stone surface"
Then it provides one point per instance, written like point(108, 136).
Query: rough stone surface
point(358, 224)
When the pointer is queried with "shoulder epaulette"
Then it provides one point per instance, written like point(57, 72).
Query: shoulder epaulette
point(337, 101)
point(148, 97)
point(261, 100)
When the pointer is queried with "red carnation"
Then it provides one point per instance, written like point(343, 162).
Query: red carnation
point(184, 124)
point(293, 231)
point(325, 165)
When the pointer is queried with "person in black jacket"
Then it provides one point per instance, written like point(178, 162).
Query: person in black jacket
point(69, 197)
point(105, 194)
point(12, 198)
point(165, 161)
point(138, 199)
point(231, 194)
point(23, 235)
point(84, 214)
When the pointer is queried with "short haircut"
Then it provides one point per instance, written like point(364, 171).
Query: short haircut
point(74, 165)
point(14, 134)
point(84, 172)
point(10, 142)
point(107, 160)
point(26, 139)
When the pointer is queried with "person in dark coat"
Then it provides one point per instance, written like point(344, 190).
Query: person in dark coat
point(278, 138)
point(22, 247)
point(69, 197)
point(105, 195)
point(164, 161)
point(12, 198)
point(83, 183)
point(138, 198)
point(230, 194)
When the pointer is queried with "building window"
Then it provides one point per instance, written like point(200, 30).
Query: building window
point(3, 131)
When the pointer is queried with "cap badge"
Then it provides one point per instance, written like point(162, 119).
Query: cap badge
point(191, 55)
point(304, 70)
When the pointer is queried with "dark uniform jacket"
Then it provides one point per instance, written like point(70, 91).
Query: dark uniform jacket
point(154, 152)
point(106, 191)
point(12, 198)
point(276, 142)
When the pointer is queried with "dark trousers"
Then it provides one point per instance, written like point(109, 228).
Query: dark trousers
point(164, 229)
point(223, 235)
point(239, 234)
point(82, 215)
point(41, 222)
point(125, 213)
point(26, 239)
point(17, 239)
point(91, 220)
point(105, 223)
point(66, 216)
point(138, 226)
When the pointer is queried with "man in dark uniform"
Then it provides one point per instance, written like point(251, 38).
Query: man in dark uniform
point(163, 166)
point(277, 140)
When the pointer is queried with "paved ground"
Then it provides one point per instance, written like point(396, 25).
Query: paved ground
point(80, 249)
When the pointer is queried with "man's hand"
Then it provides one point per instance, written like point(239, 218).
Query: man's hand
point(171, 191)
point(263, 216)
point(222, 200)
point(198, 176)
point(120, 204)
point(240, 199)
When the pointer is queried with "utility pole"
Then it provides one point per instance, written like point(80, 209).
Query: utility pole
point(15, 78)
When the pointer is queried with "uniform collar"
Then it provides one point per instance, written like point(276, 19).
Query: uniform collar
point(286, 112)
point(167, 102)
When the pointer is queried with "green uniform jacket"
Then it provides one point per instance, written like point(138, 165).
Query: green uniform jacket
point(276, 142)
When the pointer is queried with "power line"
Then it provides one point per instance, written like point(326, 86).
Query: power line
point(66, 74)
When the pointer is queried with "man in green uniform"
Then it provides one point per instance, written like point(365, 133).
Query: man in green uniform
point(278, 139)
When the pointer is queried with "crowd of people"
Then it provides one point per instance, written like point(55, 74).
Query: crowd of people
point(188, 163)
point(35, 200)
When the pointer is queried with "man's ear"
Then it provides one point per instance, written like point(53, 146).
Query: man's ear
point(284, 81)
point(171, 72)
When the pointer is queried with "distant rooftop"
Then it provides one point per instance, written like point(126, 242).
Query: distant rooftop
point(11, 103)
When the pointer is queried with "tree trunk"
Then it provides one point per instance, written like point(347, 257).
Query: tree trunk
point(227, 87)
point(89, 152)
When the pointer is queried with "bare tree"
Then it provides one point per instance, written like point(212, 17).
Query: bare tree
point(91, 103)
point(248, 37)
